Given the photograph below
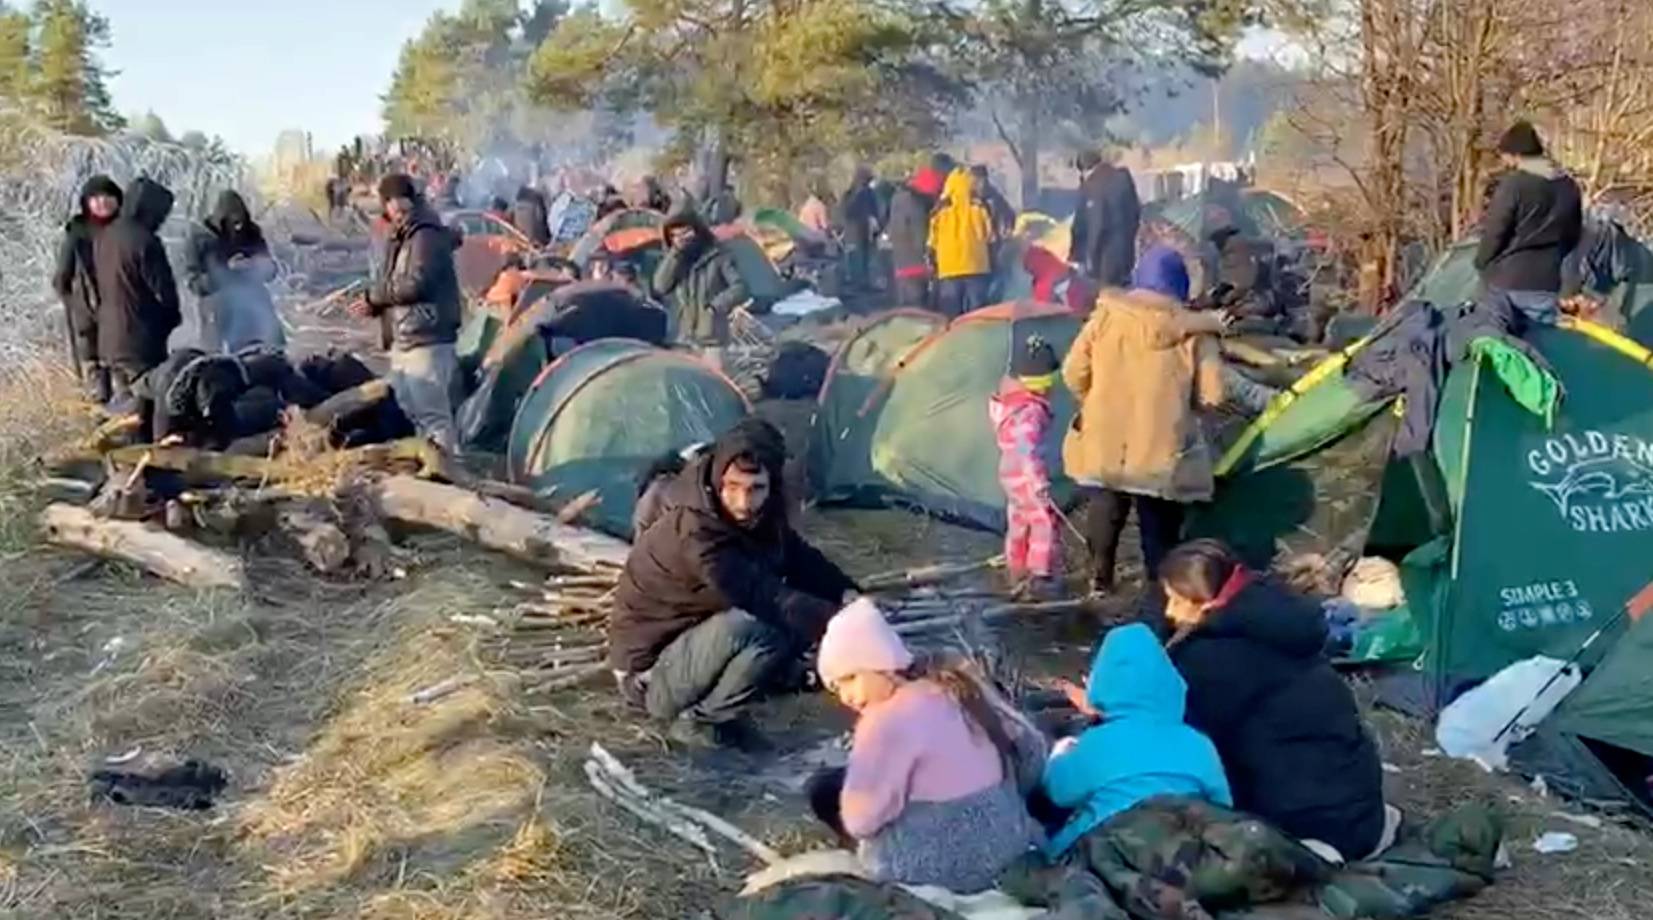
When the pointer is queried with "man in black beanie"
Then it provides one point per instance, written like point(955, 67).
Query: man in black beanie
point(417, 301)
point(1535, 218)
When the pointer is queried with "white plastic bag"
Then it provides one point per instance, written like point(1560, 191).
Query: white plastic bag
point(1469, 727)
point(1374, 584)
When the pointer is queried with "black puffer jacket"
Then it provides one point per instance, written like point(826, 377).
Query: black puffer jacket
point(75, 278)
point(692, 562)
point(1285, 724)
point(1534, 220)
point(417, 297)
point(138, 296)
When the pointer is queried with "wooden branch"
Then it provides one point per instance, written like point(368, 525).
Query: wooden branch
point(349, 402)
point(167, 555)
point(929, 574)
point(493, 523)
point(204, 467)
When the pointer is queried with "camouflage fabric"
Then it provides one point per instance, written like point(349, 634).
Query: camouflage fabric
point(1171, 858)
point(1180, 859)
point(833, 897)
point(1452, 858)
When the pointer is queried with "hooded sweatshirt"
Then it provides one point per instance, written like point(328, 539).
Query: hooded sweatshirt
point(75, 278)
point(138, 295)
point(240, 307)
point(693, 561)
point(701, 282)
point(961, 230)
point(1141, 749)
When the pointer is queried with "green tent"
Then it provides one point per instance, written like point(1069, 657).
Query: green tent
point(1616, 268)
point(1517, 539)
point(476, 336)
point(840, 458)
point(1255, 213)
point(921, 438)
point(599, 415)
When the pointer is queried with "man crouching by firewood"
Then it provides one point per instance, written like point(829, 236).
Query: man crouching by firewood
point(720, 598)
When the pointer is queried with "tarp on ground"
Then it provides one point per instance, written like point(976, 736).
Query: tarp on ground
point(928, 442)
point(598, 416)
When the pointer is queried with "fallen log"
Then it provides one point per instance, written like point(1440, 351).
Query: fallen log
point(167, 555)
point(493, 522)
point(348, 402)
point(205, 467)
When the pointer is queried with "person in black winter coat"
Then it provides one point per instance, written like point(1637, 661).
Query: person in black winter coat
point(227, 264)
point(137, 293)
point(531, 216)
point(720, 596)
point(1260, 686)
point(418, 302)
point(75, 280)
point(1106, 223)
point(858, 222)
point(1534, 220)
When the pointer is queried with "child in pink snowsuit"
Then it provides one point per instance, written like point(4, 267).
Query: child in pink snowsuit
point(1021, 415)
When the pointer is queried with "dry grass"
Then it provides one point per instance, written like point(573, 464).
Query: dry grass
point(42, 409)
point(347, 800)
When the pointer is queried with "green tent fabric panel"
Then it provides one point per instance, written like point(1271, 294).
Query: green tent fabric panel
point(1322, 503)
point(516, 362)
point(1318, 416)
point(475, 338)
point(1451, 280)
point(763, 283)
point(552, 388)
point(1615, 704)
point(1402, 523)
point(840, 459)
point(1555, 527)
point(618, 419)
point(934, 445)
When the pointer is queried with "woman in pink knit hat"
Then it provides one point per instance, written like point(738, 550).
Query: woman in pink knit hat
point(939, 766)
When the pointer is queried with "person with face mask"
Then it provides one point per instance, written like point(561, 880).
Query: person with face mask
point(228, 264)
point(1260, 685)
point(137, 293)
point(417, 301)
point(719, 596)
point(938, 768)
point(75, 280)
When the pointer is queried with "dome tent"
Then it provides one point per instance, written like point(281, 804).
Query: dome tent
point(598, 416)
point(922, 438)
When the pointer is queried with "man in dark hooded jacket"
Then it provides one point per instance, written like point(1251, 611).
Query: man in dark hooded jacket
point(1106, 224)
point(719, 594)
point(531, 216)
point(417, 300)
point(698, 280)
point(858, 221)
point(909, 233)
point(138, 296)
point(1534, 220)
point(75, 280)
point(227, 264)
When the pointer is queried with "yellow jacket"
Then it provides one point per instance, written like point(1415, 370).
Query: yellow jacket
point(961, 230)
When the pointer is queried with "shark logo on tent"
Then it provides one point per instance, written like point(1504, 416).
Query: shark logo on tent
point(1599, 482)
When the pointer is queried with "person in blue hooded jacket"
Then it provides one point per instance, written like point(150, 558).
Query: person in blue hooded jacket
point(1141, 749)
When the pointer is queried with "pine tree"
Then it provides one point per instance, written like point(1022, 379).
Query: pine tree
point(14, 57)
point(69, 85)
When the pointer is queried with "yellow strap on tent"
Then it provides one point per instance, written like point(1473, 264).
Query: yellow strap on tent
point(1624, 345)
point(1278, 406)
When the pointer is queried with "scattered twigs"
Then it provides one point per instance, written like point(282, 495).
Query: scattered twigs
point(615, 782)
point(929, 574)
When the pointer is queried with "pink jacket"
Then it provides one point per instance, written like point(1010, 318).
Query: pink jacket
point(916, 746)
point(1021, 418)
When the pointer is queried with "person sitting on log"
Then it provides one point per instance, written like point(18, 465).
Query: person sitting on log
point(720, 597)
